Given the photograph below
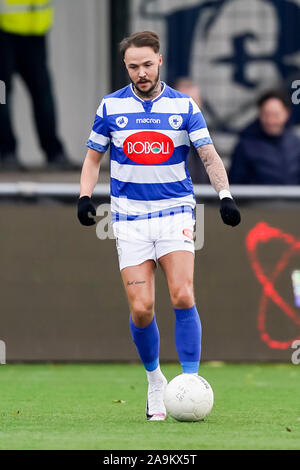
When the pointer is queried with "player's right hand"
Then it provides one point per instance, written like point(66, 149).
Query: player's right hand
point(84, 206)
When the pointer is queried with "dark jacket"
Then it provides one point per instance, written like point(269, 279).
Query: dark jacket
point(262, 159)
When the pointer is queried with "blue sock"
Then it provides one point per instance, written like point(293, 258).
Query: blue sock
point(147, 343)
point(188, 338)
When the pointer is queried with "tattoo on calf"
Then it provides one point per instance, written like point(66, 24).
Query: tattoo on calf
point(130, 283)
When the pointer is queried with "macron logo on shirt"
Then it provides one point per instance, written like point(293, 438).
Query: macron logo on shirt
point(147, 121)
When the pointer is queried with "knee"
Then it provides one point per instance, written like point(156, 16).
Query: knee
point(142, 312)
point(183, 296)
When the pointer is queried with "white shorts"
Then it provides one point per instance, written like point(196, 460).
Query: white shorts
point(141, 240)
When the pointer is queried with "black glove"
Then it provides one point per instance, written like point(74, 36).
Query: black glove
point(229, 212)
point(84, 206)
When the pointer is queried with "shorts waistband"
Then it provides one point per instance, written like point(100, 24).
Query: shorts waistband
point(118, 216)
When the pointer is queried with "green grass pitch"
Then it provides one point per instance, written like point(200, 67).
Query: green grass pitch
point(101, 406)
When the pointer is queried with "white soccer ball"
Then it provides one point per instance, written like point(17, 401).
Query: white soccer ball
point(188, 397)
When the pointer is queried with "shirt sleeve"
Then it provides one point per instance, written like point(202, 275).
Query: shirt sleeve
point(99, 139)
point(197, 129)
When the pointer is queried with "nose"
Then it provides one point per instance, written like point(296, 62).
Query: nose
point(142, 72)
point(273, 122)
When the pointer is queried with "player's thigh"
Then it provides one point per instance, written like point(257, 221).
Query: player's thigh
point(139, 284)
point(178, 267)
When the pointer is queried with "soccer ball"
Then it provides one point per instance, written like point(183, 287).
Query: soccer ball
point(188, 397)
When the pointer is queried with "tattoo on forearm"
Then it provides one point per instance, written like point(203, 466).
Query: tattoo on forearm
point(130, 283)
point(214, 167)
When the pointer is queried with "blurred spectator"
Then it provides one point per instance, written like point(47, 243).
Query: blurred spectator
point(268, 151)
point(194, 163)
point(23, 29)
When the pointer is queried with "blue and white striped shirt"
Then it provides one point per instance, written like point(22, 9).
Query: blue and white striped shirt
point(150, 142)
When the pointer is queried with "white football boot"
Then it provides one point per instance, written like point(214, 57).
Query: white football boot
point(155, 407)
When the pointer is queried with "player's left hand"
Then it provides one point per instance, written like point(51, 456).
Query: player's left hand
point(229, 212)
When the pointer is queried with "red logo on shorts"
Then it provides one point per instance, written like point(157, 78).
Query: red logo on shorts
point(148, 147)
point(188, 233)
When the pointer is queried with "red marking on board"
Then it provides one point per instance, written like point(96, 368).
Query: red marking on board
point(262, 233)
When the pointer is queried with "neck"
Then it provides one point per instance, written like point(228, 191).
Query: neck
point(150, 95)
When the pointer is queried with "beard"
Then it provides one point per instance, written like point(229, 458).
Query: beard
point(148, 93)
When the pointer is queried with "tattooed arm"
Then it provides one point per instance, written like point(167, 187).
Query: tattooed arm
point(214, 167)
point(218, 178)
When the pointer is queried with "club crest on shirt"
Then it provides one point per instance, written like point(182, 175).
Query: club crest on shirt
point(175, 121)
point(122, 121)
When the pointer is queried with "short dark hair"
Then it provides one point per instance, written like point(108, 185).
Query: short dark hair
point(140, 39)
point(275, 93)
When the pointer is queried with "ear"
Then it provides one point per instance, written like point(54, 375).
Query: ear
point(160, 60)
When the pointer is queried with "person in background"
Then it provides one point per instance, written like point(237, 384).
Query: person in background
point(24, 25)
point(268, 151)
point(195, 166)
